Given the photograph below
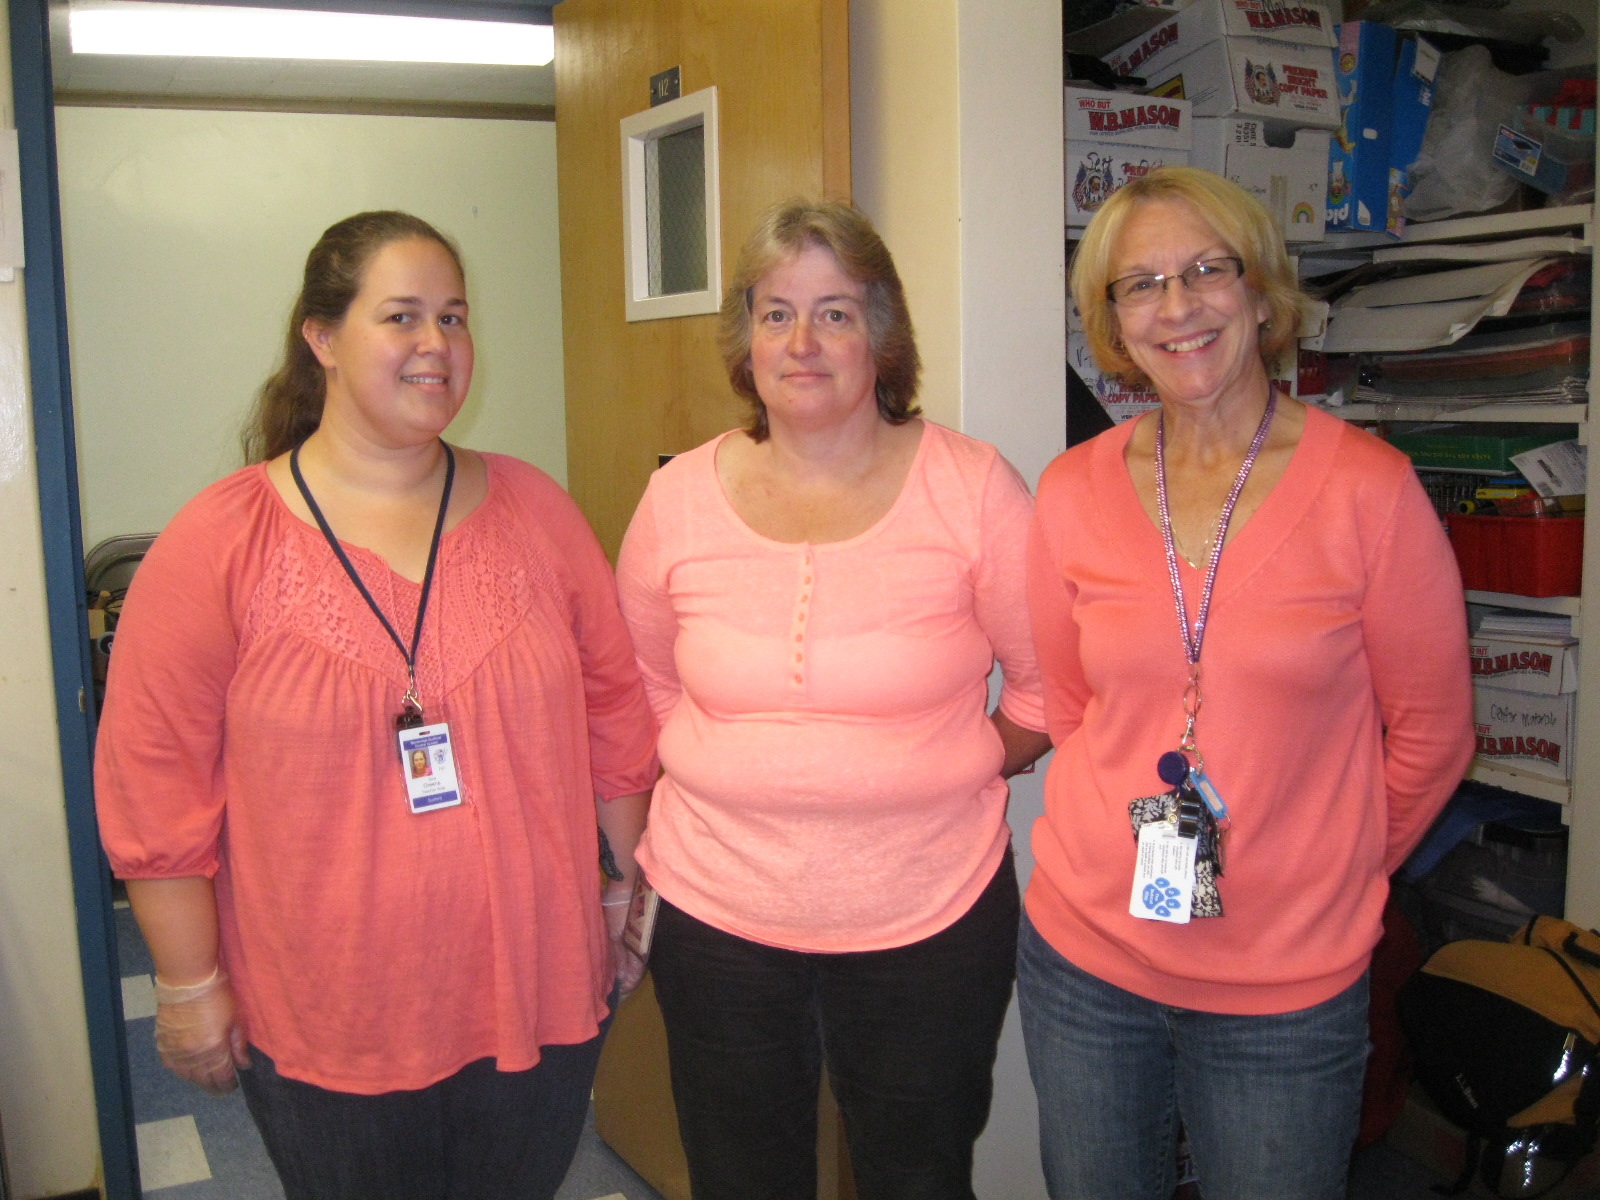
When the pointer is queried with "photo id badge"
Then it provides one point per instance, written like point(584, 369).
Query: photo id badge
point(429, 767)
point(1163, 874)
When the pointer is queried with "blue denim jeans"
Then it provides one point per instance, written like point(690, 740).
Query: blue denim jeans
point(481, 1134)
point(1271, 1103)
point(908, 1036)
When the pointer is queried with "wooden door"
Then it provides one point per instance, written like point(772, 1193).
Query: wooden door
point(782, 73)
point(635, 391)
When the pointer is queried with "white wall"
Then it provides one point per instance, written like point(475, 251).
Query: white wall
point(956, 131)
point(185, 235)
point(46, 1092)
point(905, 156)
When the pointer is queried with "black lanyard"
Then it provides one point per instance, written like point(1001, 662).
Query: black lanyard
point(410, 715)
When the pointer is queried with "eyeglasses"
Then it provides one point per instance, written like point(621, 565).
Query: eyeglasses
point(1207, 275)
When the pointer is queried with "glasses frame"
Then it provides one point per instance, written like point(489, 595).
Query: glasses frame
point(1187, 275)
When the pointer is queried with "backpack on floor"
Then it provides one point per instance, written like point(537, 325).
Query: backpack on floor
point(1505, 1037)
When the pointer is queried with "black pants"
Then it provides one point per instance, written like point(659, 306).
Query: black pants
point(908, 1036)
point(481, 1134)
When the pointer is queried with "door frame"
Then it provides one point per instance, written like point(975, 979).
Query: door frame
point(50, 389)
point(61, 525)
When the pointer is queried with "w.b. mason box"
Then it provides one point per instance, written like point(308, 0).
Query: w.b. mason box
point(1524, 730)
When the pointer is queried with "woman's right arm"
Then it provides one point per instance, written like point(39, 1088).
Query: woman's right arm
point(196, 1030)
point(156, 776)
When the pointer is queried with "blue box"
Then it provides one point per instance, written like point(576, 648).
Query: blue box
point(1358, 153)
point(1411, 105)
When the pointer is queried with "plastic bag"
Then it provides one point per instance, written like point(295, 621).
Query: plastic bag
point(1455, 172)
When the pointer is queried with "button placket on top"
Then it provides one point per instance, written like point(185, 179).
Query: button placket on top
point(802, 619)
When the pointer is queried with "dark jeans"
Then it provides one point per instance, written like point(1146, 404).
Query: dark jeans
point(908, 1035)
point(481, 1134)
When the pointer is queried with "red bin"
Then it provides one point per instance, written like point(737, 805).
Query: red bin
point(1526, 556)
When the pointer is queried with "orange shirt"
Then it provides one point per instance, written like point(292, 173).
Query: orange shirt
point(249, 734)
point(1336, 716)
point(831, 776)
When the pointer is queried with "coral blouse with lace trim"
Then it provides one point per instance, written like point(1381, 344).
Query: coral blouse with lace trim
point(248, 734)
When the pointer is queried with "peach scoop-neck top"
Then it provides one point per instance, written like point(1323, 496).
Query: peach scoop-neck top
point(248, 734)
point(831, 776)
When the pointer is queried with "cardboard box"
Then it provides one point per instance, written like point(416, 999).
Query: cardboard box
point(1525, 730)
point(1547, 666)
point(1411, 104)
point(1290, 178)
point(1385, 91)
point(1288, 86)
point(1358, 159)
point(1487, 448)
point(1192, 26)
point(1121, 401)
point(1543, 155)
point(1114, 137)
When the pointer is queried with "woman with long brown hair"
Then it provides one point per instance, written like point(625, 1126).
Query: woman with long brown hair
point(409, 969)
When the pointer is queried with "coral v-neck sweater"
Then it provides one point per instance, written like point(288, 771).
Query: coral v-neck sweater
point(1336, 719)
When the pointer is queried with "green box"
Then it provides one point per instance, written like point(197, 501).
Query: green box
point(1462, 446)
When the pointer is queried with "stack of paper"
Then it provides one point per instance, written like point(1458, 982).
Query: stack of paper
point(1507, 623)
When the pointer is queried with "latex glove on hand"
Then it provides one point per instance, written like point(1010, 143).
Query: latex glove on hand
point(630, 967)
point(198, 1035)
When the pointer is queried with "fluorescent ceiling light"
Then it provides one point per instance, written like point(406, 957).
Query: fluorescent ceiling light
point(211, 31)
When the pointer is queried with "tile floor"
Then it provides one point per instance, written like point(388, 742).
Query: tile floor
point(195, 1146)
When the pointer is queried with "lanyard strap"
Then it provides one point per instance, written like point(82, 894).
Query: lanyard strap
point(1192, 641)
point(349, 568)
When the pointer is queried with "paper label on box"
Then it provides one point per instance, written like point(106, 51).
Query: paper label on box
point(1524, 730)
point(1427, 64)
point(1517, 151)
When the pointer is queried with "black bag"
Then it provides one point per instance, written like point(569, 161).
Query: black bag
point(1505, 1037)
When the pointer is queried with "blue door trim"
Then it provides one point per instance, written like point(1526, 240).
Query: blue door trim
point(49, 381)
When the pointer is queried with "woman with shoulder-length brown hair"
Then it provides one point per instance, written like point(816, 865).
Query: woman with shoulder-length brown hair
point(1250, 629)
point(371, 698)
point(816, 601)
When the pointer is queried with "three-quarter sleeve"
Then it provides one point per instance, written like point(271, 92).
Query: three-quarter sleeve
point(157, 760)
point(1000, 592)
point(647, 607)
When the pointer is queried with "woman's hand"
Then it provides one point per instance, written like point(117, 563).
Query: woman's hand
point(198, 1035)
point(621, 823)
point(1023, 747)
point(616, 902)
